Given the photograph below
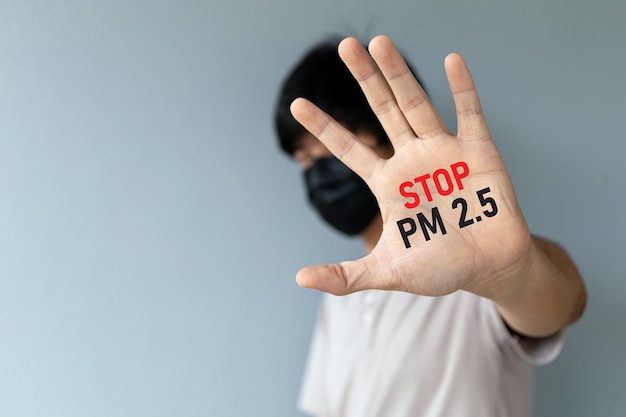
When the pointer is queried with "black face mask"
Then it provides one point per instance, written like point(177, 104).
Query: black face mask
point(340, 196)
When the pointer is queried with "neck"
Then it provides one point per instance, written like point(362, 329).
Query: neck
point(372, 233)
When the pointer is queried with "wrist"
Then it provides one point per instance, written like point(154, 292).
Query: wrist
point(510, 282)
point(536, 296)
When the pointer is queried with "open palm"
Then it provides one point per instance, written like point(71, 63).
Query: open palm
point(450, 216)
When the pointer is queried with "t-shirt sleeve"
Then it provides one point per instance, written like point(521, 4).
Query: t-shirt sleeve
point(312, 399)
point(534, 351)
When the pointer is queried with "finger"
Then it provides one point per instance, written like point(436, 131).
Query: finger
point(337, 279)
point(359, 157)
point(376, 90)
point(410, 96)
point(470, 118)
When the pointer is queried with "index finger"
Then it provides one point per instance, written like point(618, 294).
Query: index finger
point(359, 157)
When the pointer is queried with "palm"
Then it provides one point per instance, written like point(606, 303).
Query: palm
point(437, 238)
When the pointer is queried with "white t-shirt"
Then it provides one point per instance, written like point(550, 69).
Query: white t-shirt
point(393, 354)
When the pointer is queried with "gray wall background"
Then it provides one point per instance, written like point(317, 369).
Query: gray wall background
point(150, 229)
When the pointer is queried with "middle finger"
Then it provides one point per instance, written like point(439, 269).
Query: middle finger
point(377, 91)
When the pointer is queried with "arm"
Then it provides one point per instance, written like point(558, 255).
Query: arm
point(545, 295)
point(451, 220)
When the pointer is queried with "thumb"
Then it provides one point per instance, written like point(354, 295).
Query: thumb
point(338, 279)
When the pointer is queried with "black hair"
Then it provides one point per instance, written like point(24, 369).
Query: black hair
point(322, 77)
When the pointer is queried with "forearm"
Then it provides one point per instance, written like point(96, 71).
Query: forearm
point(544, 295)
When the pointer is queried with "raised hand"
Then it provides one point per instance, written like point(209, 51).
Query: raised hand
point(451, 220)
point(450, 216)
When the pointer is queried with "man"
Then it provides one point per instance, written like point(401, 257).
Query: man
point(473, 301)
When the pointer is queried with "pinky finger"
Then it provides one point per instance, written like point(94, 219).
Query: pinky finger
point(470, 118)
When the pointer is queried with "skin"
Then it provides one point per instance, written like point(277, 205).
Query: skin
point(533, 282)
